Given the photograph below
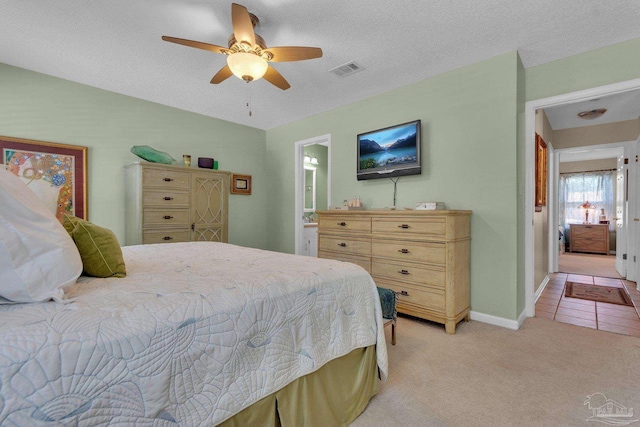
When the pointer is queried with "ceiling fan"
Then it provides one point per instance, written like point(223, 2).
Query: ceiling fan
point(248, 54)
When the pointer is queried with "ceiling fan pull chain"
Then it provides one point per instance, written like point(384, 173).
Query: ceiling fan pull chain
point(249, 99)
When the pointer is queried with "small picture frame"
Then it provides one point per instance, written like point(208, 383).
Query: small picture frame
point(240, 184)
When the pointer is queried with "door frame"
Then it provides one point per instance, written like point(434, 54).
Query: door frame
point(529, 148)
point(634, 229)
point(299, 179)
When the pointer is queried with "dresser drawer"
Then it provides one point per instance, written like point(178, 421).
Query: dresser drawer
point(599, 246)
point(345, 224)
point(427, 275)
point(165, 198)
point(165, 236)
point(168, 179)
point(589, 232)
point(430, 253)
point(404, 226)
point(169, 217)
point(423, 298)
point(345, 245)
point(363, 262)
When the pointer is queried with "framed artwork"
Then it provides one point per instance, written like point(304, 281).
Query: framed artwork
point(57, 173)
point(541, 173)
point(240, 184)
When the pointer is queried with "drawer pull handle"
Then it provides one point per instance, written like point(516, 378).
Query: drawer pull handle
point(167, 179)
point(167, 217)
point(405, 272)
point(342, 224)
point(344, 245)
point(167, 238)
point(405, 226)
point(168, 198)
point(405, 293)
point(403, 251)
point(588, 226)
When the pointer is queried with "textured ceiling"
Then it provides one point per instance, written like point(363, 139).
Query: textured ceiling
point(116, 45)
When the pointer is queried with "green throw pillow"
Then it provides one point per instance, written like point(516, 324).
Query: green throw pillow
point(99, 248)
point(69, 223)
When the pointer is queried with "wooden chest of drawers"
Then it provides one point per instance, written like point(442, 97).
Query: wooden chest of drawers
point(168, 204)
point(589, 238)
point(422, 255)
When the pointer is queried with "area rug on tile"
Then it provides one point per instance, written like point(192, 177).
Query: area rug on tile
point(597, 293)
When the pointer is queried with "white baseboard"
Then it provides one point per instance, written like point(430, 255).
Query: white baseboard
point(523, 316)
point(543, 285)
point(498, 321)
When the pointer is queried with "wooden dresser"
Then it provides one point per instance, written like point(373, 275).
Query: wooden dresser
point(165, 204)
point(589, 238)
point(422, 255)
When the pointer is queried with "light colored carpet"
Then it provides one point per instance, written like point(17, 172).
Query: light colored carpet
point(588, 264)
point(486, 375)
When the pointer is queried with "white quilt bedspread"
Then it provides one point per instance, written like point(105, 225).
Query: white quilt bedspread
point(195, 333)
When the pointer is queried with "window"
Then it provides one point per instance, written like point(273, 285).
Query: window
point(594, 187)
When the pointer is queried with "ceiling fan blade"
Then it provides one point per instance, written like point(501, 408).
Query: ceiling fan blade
point(293, 53)
point(222, 75)
point(198, 45)
point(275, 78)
point(242, 25)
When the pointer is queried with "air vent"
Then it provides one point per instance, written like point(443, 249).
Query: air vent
point(346, 69)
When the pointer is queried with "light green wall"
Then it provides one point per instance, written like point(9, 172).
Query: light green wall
point(616, 63)
point(473, 130)
point(469, 129)
point(520, 166)
point(40, 107)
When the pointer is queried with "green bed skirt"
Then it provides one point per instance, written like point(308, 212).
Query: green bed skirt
point(334, 395)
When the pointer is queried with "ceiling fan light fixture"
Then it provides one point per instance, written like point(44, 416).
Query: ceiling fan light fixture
point(247, 66)
point(247, 54)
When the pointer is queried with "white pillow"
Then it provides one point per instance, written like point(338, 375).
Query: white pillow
point(38, 259)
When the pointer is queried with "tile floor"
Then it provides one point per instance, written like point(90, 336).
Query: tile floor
point(620, 319)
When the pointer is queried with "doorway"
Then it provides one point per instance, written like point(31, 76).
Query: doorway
point(588, 173)
point(314, 194)
point(530, 109)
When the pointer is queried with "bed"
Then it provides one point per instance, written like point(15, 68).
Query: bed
point(197, 334)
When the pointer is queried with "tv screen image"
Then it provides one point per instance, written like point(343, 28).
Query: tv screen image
point(389, 152)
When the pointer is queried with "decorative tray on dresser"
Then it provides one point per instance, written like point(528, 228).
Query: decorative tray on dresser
point(423, 255)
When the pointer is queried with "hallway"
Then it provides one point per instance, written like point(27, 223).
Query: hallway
point(553, 304)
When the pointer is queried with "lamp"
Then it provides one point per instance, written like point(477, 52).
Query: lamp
point(314, 160)
point(586, 206)
point(307, 158)
point(247, 66)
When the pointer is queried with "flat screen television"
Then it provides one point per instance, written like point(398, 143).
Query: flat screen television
point(389, 152)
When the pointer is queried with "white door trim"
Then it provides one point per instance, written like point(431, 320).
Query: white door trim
point(552, 206)
point(299, 179)
point(530, 110)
